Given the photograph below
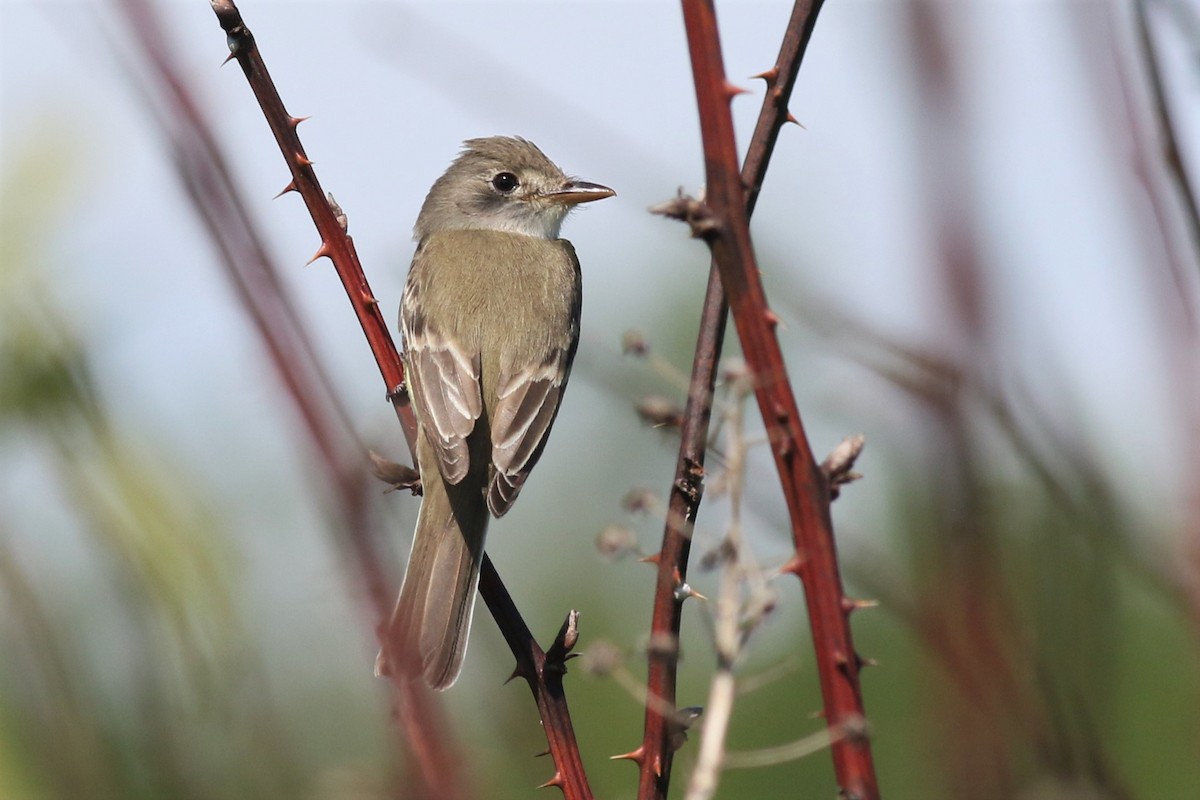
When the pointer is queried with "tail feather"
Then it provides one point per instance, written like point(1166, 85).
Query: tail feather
point(428, 632)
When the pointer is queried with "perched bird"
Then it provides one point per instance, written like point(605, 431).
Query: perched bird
point(490, 318)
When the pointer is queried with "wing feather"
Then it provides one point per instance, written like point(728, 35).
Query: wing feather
point(445, 387)
point(526, 405)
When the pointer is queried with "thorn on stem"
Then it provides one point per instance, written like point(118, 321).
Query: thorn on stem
point(865, 662)
point(322, 252)
point(294, 122)
point(519, 671)
point(635, 756)
point(291, 187)
point(683, 591)
point(770, 76)
point(304, 160)
point(557, 780)
point(795, 565)
point(732, 91)
point(850, 605)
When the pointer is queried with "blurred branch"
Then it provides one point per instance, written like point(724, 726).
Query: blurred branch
point(441, 768)
point(1171, 155)
point(1184, 325)
point(656, 753)
point(722, 222)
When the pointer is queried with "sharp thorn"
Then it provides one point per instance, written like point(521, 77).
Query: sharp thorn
point(295, 121)
point(228, 58)
point(794, 565)
point(291, 187)
point(322, 252)
point(770, 75)
point(849, 604)
point(733, 91)
point(557, 780)
point(633, 755)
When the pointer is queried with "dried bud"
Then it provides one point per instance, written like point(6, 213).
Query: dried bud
point(601, 658)
point(639, 500)
point(691, 210)
point(617, 541)
point(342, 220)
point(633, 343)
point(838, 466)
point(398, 476)
point(660, 411)
point(564, 643)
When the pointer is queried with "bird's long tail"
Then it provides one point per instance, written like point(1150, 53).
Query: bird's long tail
point(428, 631)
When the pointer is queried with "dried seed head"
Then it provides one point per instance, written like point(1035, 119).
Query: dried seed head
point(660, 411)
point(617, 541)
point(633, 343)
point(639, 500)
point(601, 658)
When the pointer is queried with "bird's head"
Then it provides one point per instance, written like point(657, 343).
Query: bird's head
point(504, 183)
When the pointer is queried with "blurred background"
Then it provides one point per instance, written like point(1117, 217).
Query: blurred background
point(982, 261)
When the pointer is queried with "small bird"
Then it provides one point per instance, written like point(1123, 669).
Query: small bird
point(490, 319)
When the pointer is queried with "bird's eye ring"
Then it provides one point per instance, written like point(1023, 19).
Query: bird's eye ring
point(505, 182)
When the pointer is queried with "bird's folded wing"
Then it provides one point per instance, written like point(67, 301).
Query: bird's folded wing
point(445, 390)
point(526, 404)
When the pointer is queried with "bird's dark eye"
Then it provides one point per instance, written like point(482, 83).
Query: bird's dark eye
point(505, 182)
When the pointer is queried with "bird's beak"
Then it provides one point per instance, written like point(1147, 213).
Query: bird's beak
point(575, 192)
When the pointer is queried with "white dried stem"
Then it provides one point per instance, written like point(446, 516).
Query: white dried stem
point(731, 623)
